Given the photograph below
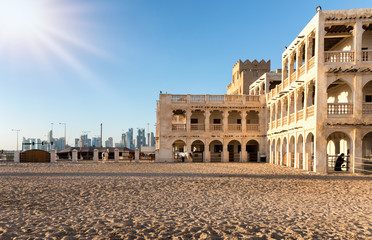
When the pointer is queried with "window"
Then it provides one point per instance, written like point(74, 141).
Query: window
point(238, 121)
point(217, 121)
point(194, 121)
point(368, 98)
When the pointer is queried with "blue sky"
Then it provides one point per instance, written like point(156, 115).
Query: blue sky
point(106, 61)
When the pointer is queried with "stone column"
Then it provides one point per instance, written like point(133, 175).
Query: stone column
point(358, 38)
point(116, 155)
point(95, 155)
point(358, 98)
point(306, 54)
point(225, 153)
point(207, 153)
point(225, 121)
point(207, 120)
point(16, 156)
point(136, 155)
point(244, 154)
point(53, 156)
point(244, 121)
point(356, 157)
point(188, 120)
point(74, 156)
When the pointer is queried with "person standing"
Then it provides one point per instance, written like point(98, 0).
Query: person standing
point(339, 162)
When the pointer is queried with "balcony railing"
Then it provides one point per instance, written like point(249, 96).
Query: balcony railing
point(234, 98)
point(338, 56)
point(216, 127)
point(252, 98)
point(293, 77)
point(216, 98)
point(179, 127)
point(366, 55)
point(197, 127)
point(302, 70)
point(253, 127)
point(310, 111)
point(179, 98)
point(197, 98)
point(340, 108)
point(278, 124)
point(291, 118)
point(300, 115)
point(285, 83)
point(235, 127)
point(367, 108)
point(285, 119)
point(311, 63)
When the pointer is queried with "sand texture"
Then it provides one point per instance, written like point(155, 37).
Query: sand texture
point(181, 201)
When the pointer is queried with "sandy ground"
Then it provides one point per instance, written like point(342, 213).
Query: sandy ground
point(181, 201)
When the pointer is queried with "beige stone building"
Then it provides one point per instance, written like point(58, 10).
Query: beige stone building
point(319, 106)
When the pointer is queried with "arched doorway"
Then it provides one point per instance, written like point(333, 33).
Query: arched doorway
point(284, 152)
point(278, 157)
point(178, 146)
point(216, 148)
point(367, 97)
point(300, 156)
point(309, 148)
point(337, 143)
point(367, 152)
point(252, 149)
point(234, 149)
point(340, 99)
point(292, 145)
point(197, 150)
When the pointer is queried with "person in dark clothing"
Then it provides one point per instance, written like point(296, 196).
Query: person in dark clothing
point(339, 162)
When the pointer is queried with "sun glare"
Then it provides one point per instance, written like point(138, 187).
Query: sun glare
point(44, 30)
point(19, 18)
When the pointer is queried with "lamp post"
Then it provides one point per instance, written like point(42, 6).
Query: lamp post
point(16, 130)
point(65, 133)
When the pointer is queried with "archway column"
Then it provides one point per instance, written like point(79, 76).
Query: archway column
point(188, 149)
point(358, 97)
point(244, 154)
point(225, 152)
point(188, 123)
point(207, 153)
point(225, 121)
point(356, 158)
point(207, 121)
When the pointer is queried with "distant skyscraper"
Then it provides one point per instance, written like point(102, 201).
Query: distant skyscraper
point(96, 142)
point(77, 142)
point(129, 139)
point(111, 141)
point(141, 138)
point(107, 143)
point(123, 141)
point(152, 140)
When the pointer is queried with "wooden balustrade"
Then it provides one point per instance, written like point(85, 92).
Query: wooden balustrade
point(293, 77)
point(252, 127)
point(338, 56)
point(285, 83)
point(216, 127)
point(179, 98)
point(310, 111)
point(179, 127)
point(197, 127)
point(311, 63)
point(300, 115)
point(302, 70)
point(197, 98)
point(291, 118)
point(285, 120)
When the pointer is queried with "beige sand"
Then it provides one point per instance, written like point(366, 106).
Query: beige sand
point(181, 201)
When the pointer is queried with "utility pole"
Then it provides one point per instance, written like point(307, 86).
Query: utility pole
point(65, 133)
point(16, 130)
point(101, 136)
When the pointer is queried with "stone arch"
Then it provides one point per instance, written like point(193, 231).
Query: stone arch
point(284, 152)
point(338, 142)
point(277, 151)
point(234, 148)
point(292, 150)
point(253, 148)
point(179, 120)
point(300, 156)
point(216, 148)
point(339, 98)
point(272, 152)
point(197, 151)
point(178, 146)
point(309, 151)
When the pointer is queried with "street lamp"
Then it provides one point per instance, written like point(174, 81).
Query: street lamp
point(16, 130)
point(65, 133)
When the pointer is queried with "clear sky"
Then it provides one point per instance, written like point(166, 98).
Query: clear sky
point(86, 62)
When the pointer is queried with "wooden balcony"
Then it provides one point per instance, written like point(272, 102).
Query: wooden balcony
point(291, 118)
point(293, 77)
point(300, 115)
point(197, 127)
point(310, 111)
point(338, 56)
point(302, 71)
point(285, 83)
point(179, 127)
point(216, 127)
point(311, 63)
point(340, 109)
point(285, 120)
point(235, 127)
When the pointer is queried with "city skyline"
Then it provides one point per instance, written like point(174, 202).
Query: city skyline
point(108, 62)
